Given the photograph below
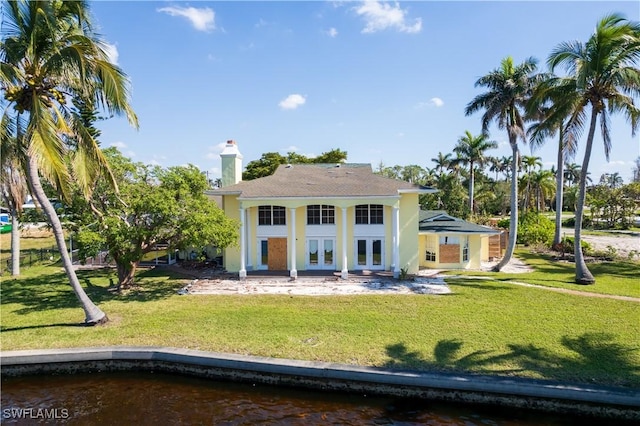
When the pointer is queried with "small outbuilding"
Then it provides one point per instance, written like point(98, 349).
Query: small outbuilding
point(447, 242)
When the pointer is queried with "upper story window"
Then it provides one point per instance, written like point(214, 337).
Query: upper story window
point(369, 214)
point(321, 215)
point(272, 215)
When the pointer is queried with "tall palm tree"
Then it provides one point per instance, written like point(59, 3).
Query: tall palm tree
point(542, 186)
point(509, 88)
point(49, 56)
point(442, 162)
point(471, 150)
point(612, 180)
point(572, 173)
point(505, 167)
point(544, 101)
point(604, 74)
point(529, 163)
point(13, 186)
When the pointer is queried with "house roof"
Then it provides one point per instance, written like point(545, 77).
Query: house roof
point(439, 222)
point(322, 180)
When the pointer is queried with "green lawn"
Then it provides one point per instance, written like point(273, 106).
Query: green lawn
point(488, 327)
point(617, 278)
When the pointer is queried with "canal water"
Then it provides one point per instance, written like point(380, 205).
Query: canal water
point(163, 399)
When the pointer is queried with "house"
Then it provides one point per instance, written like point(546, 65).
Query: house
point(334, 217)
point(452, 243)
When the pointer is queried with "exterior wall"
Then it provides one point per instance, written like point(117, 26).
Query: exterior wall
point(484, 247)
point(409, 255)
point(409, 216)
point(475, 252)
point(231, 258)
point(450, 256)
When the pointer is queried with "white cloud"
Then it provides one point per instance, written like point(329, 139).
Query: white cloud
point(381, 16)
point(433, 102)
point(331, 32)
point(202, 19)
point(119, 144)
point(436, 102)
point(292, 101)
point(292, 148)
point(112, 52)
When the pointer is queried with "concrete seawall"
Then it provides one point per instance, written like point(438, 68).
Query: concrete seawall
point(542, 395)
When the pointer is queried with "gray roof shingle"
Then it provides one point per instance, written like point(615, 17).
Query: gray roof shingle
point(439, 222)
point(321, 180)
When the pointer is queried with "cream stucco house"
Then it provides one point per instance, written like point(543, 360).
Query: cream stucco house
point(333, 217)
point(447, 242)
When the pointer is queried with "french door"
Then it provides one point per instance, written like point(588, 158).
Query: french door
point(321, 253)
point(369, 253)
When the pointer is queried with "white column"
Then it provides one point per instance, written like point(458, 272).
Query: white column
point(395, 221)
point(243, 269)
point(293, 273)
point(345, 269)
point(249, 240)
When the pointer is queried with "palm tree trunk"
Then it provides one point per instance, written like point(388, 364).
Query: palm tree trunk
point(471, 178)
point(559, 194)
point(93, 314)
point(513, 221)
point(583, 275)
point(15, 243)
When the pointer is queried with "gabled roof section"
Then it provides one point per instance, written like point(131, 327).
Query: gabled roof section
point(435, 215)
point(322, 180)
point(439, 222)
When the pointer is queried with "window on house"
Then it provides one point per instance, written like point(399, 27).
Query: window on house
point(430, 252)
point(369, 214)
point(465, 250)
point(446, 240)
point(272, 215)
point(321, 214)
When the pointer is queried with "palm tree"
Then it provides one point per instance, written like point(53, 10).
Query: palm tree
point(50, 56)
point(571, 173)
point(552, 108)
point(604, 74)
point(612, 180)
point(471, 150)
point(13, 186)
point(530, 163)
point(442, 163)
point(505, 167)
point(510, 87)
point(542, 186)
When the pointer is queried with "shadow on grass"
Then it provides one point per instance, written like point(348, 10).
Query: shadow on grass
point(545, 263)
point(52, 290)
point(595, 358)
point(35, 327)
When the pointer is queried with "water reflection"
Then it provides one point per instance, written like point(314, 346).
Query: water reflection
point(160, 399)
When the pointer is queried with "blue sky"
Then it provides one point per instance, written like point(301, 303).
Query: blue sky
point(385, 81)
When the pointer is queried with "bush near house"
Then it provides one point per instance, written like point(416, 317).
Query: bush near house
point(533, 228)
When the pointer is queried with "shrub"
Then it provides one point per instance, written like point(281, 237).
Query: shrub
point(571, 222)
point(568, 246)
point(504, 223)
point(534, 229)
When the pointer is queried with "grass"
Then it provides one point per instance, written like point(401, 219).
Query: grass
point(615, 278)
point(487, 327)
point(31, 242)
